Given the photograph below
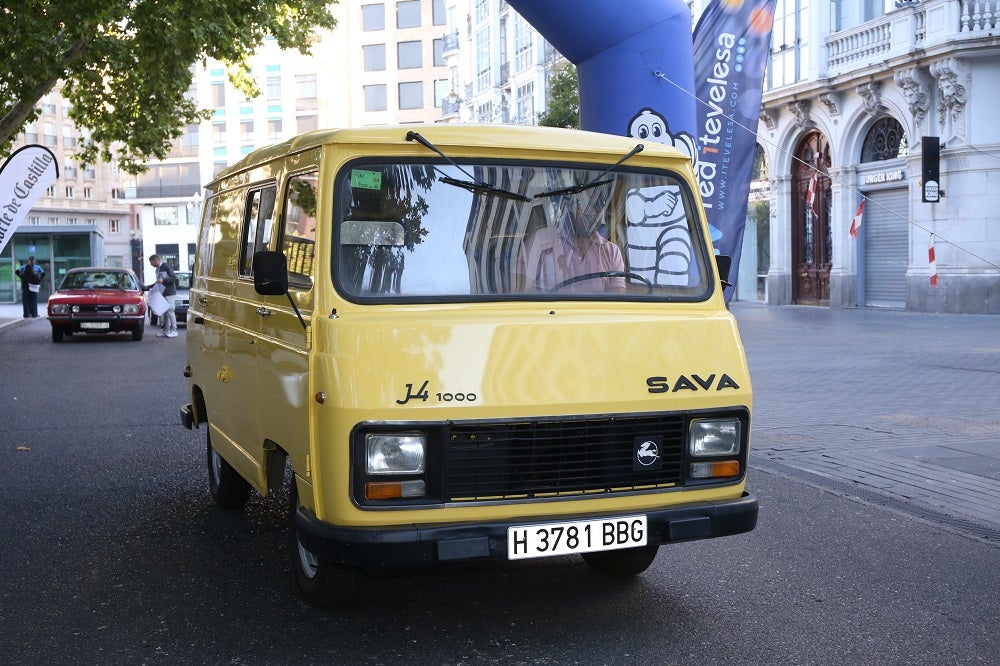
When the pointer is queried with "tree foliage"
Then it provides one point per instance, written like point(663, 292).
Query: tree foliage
point(126, 65)
point(563, 108)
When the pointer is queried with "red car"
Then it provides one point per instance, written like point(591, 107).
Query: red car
point(98, 300)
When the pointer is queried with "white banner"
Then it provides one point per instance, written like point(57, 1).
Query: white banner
point(24, 177)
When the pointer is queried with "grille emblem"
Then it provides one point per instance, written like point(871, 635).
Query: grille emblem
point(646, 452)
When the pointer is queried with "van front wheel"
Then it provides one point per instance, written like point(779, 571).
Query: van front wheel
point(321, 583)
point(621, 563)
point(228, 488)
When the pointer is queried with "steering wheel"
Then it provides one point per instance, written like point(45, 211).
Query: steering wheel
point(628, 275)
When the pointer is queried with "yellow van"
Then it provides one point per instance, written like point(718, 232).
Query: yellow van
point(455, 342)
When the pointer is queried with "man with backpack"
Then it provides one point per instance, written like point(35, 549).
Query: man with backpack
point(31, 281)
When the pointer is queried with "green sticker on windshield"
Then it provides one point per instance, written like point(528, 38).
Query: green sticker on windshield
point(366, 180)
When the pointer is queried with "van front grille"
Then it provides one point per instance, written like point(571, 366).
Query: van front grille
point(549, 458)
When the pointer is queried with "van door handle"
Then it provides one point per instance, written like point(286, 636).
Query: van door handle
point(263, 312)
point(202, 300)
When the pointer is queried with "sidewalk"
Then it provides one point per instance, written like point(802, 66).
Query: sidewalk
point(12, 315)
point(893, 408)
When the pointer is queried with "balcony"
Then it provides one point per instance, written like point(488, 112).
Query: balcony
point(450, 42)
point(932, 26)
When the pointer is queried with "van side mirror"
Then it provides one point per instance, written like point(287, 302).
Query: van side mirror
point(724, 263)
point(270, 273)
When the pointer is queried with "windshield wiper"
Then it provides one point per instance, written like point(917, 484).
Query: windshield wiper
point(593, 182)
point(472, 184)
point(479, 186)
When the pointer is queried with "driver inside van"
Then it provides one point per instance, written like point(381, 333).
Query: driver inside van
point(572, 256)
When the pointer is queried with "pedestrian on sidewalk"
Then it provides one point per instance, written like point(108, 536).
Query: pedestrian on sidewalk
point(31, 282)
point(166, 279)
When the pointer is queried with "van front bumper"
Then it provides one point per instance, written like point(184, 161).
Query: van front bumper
point(435, 543)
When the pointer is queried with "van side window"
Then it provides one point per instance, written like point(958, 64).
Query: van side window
point(299, 229)
point(257, 218)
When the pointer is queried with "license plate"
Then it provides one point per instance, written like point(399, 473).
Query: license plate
point(581, 536)
point(98, 325)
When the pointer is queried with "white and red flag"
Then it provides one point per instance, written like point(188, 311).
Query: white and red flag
point(933, 262)
point(856, 222)
point(811, 192)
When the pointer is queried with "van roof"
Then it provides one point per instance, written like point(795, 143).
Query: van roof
point(458, 135)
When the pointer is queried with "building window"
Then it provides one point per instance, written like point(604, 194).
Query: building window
point(373, 56)
point(483, 60)
point(525, 104)
point(274, 87)
point(439, 53)
point(408, 55)
point(408, 14)
point(373, 17)
point(524, 51)
point(246, 131)
point(69, 191)
point(274, 128)
point(88, 193)
point(219, 132)
point(165, 216)
point(168, 253)
point(306, 123)
point(305, 90)
point(789, 43)
point(375, 98)
point(113, 226)
point(218, 95)
point(439, 17)
point(886, 140)
point(482, 10)
point(411, 95)
point(441, 89)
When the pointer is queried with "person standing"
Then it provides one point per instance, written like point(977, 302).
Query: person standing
point(165, 277)
point(31, 281)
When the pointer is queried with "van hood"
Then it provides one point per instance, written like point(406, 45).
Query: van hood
point(570, 361)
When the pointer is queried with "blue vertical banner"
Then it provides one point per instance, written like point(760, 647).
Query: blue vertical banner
point(731, 48)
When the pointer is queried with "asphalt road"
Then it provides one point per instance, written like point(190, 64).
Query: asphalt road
point(115, 554)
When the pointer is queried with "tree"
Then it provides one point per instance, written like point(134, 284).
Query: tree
point(563, 108)
point(126, 65)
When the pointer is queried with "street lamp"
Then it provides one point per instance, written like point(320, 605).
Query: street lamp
point(194, 208)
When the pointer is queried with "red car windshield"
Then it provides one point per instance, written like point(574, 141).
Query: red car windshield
point(99, 280)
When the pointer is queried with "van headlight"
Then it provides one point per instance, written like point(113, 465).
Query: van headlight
point(395, 454)
point(131, 308)
point(714, 437)
point(59, 308)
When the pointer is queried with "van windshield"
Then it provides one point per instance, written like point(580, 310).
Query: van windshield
point(492, 231)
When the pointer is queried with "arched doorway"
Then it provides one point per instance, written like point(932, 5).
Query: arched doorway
point(812, 240)
point(884, 245)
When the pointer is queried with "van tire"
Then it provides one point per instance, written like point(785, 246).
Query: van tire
point(228, 488)
point(624, 563)
point(321, 583)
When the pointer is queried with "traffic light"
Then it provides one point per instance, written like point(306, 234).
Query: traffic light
point(930, 167)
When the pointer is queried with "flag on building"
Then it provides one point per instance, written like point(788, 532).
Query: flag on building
point(856, 222)
point(811, 192)
point(933, 262)
point(731, 48)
